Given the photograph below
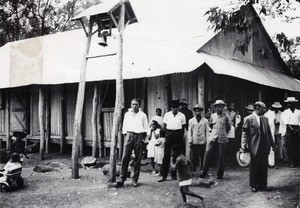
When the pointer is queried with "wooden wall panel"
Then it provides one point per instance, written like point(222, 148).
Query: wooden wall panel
point(107, 123)
point(71, 95)
point(35, 127)
point(87, 111)
point(157, 90)
point(184, 86)
point(55, 109)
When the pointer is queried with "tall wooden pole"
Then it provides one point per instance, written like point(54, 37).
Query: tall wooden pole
point(62, 120)
point(119, 100)
point(99, 125)
point(48, 117)
point(94, 121)
point(8, 138)
point(42, 121)
point(79, 105)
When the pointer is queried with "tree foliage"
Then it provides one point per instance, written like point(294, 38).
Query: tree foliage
point(235, 20)
point(20, 19)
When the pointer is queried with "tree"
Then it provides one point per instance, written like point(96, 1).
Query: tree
point(20, 19)
point(235, 19)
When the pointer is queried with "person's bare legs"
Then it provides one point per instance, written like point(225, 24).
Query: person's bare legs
point(186, 191)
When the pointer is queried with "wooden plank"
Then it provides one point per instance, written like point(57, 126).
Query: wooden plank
point(99, 125)
point(201, 88)
point(8, 138)
point(94, 121)
point(79, 106)
point(48, 122)
point(62, 120)
point(42, 121)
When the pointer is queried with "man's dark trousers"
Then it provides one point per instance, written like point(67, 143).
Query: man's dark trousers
point(292, 145)
point(173, 137)
point(197, 155)
point(259, 165)
point(133, 141)
point(220, 160)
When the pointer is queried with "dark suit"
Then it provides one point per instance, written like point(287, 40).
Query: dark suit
point(257, 138)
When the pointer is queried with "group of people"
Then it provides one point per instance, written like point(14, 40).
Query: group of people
point(262, 131)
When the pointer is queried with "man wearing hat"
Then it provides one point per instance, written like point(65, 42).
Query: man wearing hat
point(289, 129)
point(217, 139)
point(174, 123)
point(257, 139)
point(198, 133)
point(188, 115)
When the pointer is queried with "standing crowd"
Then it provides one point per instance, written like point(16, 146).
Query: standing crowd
point(182, 140)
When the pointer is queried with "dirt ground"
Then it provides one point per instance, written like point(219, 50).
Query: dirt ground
point(57, 189)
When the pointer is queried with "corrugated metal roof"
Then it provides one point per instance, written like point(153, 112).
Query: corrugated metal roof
point(250, 72)
point(161, 43)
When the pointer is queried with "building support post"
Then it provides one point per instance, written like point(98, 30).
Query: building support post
point(94, 121)
point(8, 138)
point(62, 120)
point(42, 121)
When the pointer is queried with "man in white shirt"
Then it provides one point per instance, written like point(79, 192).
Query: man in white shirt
point(174, 123)
point(289, 129)
point(135, 126)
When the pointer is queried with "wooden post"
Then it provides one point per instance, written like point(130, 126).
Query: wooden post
point(8, 139)
point(48, 122)
point(99, 127)
point(201, 90)
point(79, 105)
point(94, 121)
point(62, 120)
point(119, 100)
point(42, 121)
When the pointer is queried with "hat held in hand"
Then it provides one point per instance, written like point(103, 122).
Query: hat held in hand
point(243, 158)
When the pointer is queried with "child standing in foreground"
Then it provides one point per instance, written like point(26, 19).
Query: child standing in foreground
point(184, 172)
point(159, 148)
point(153, 135)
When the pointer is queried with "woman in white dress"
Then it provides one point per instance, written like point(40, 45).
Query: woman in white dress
point(152, 137)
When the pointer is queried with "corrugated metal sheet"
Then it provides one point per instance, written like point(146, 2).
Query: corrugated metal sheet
point(250, 72)
point(161, 43)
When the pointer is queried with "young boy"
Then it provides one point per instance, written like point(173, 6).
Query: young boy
point(184, 172)
point(18, 145)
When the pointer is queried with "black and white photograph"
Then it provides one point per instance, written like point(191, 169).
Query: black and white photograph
point(150, 103)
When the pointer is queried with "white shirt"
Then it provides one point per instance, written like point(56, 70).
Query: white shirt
point(271, 117)
point(174, 122)
point(288, 117)
point(135, 122)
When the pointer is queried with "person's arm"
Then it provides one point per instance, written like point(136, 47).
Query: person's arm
point(145, 123)
point(190, 132)
point(206, 130)
point(125, 123)
point(228, 124)
point(245, 135)
point(183, 122)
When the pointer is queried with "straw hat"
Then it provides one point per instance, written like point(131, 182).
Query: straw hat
point(250, 107)
point(243, 158)
point(219, 102)
point(276, 105)
point(291, 100)
point(198, 106)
